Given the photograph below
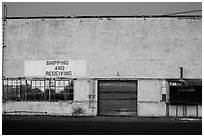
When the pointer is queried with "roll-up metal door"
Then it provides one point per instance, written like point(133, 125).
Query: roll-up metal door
point(118, 98)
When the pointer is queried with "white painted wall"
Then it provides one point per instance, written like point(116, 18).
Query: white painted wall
point(81, 89)
point(149, 90)
point(149, 98)
point(134, 47)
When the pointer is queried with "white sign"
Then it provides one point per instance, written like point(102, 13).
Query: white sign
point(56, 68)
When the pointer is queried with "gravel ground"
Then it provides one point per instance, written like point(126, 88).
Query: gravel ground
point(100, 118)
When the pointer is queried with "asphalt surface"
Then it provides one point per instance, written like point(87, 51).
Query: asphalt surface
point(49, 125)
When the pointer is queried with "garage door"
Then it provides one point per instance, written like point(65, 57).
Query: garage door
point(117, 98)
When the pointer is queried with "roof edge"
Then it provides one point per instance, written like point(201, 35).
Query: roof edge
point(141, 16)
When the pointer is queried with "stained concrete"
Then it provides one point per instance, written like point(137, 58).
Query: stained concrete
point(134, 47)
point(68, 108)
point(113, 48)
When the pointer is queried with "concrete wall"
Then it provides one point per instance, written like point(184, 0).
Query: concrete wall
point(85, 90)
point(149, 98)
point(132, 47)
point(47, 108)
point(112, 48)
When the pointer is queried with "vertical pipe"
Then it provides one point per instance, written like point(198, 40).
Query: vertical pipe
point(181, 72)
point(5, 12)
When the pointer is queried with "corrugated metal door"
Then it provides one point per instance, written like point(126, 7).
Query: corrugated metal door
point(118, 98)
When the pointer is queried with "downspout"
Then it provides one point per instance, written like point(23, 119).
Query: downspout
point(181, 72)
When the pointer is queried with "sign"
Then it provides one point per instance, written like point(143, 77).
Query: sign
point(55, 68)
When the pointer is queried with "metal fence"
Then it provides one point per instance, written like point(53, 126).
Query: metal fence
point(38, 89)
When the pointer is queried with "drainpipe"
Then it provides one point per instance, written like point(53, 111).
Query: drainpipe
point(181, 72)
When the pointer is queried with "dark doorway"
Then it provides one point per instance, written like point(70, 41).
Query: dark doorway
point(117, 98)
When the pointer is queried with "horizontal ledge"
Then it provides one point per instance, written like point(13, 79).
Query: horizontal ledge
point(108, 17)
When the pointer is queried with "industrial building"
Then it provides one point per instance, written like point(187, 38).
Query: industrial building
point(103, 65)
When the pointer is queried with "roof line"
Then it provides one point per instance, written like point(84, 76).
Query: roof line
point(182, 12)
point(140, 16)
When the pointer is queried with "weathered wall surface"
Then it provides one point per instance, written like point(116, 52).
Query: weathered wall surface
point(48, 108)
point(112, 48)
point(130, 47)
point(149, 98)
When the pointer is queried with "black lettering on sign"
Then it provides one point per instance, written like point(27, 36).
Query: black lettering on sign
point(57, 62)
point(58, 73)
point(59, 67)
point(47, 73)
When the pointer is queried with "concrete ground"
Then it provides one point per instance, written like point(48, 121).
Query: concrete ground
point(101, 125)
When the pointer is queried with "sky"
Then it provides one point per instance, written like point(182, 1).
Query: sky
point(99, 8)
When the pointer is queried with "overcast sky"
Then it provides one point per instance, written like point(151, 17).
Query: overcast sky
point(99, 9)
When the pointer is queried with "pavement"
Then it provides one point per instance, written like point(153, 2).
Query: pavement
point(100, 125)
